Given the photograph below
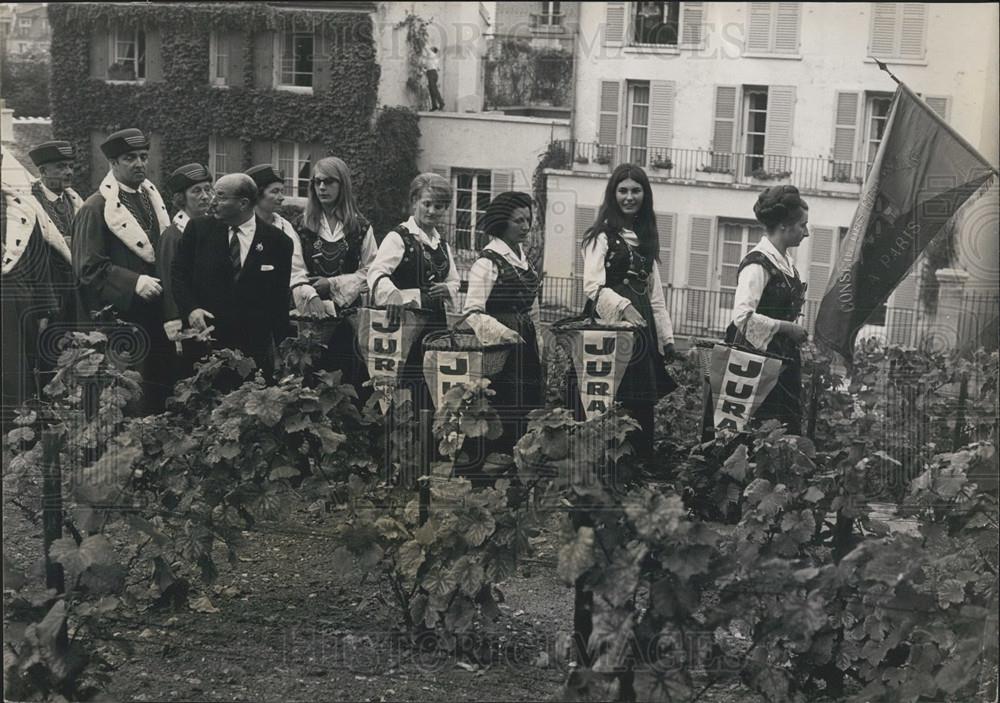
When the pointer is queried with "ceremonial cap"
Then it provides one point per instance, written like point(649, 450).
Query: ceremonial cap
point(124, 141)
point(187, 176)
point(49, 152)
point(264, 175)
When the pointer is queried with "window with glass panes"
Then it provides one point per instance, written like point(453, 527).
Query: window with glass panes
point(220, 59)
point(876, 117)
point(550, 13)
point(656, 23)
point(638, 121)
point(128, 55)
point(754, 127)
point(472, 195)
point(295, 65)
point(293, 162)
point(220, 159)
point(736, 241)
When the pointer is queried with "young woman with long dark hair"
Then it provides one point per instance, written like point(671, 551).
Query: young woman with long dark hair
point(621, 279)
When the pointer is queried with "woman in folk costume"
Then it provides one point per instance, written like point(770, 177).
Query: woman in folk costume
point(115, 237)
point(417, 269)
point(503, 297)
point(338, 244)
point(621, 279)
point(28, 299)
point(191, 186)
point(59, 203)
point(769, 297)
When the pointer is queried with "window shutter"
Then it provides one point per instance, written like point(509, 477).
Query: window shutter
point(264, 153)
point(235, 45)
point(778, 131)
point(903, 311)
point(661, 117)
point(98, 164)
point(154, 168)
point(154, 55)
point(263, 59)
point(501, 182)
point(692, 23)
point(699, 253)
point(100, 45)
point(912, 31)
point(584, 218)
point(845, 129)
point(666, 225)
point(607, 120)
point(939, 105)
point(724, 131)
point(820, 262)
point(614, 24)
point(234, 156)
point(321, 61)
point(786, 31)
point(758, 39)
point(882, 42)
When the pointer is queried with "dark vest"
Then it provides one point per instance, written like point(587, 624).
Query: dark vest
point(623, 261)
point(60, 212)
point(420, 266)
point(515, 289)
point(782, 299)
point(323, 258)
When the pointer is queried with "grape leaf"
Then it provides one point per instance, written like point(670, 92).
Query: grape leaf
point(409, 558)
point(577, 556)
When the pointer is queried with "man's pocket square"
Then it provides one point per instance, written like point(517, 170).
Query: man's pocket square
point(266, 267)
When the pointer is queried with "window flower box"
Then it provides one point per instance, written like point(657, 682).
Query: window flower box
point(760, 177)
point(849, 187)
point(713, 176)
point(585, 165)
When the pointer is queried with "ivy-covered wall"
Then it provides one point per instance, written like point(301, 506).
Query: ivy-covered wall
point(184, 110)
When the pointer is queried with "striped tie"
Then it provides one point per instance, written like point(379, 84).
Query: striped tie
point(234, 251)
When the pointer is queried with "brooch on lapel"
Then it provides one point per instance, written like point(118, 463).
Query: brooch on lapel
point(259, 247)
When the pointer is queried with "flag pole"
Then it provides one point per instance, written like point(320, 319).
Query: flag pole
point(947, 127)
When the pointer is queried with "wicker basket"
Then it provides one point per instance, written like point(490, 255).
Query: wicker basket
point(453, 339)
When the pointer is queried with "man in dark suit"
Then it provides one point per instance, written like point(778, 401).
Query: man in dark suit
point(232, 270)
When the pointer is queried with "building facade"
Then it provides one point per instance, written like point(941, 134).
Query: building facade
point(27, 29)
point(719, 100)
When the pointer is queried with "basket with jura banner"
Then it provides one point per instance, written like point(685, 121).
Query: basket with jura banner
point(385, 345)
point(455, 355)
point(600, 351)
point(739, 376)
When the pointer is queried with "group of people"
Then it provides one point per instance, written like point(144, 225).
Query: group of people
point(226, 268)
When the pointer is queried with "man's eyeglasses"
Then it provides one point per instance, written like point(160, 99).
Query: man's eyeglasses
point(325, 181)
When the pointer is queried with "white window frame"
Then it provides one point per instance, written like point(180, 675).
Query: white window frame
point(214, 56)
point(293, 181)
point(633, 12)
point(896, 59)
point(867, 141)
point(745, 168)
point(113, 41)
point(550, 9)
point(746, 244)
point(279, 45)
point(213, 158)
point(637, 154)
point(474, 212)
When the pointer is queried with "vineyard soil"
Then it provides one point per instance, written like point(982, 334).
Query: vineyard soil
point(290, 629)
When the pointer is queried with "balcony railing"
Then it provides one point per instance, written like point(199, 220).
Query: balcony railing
point(807, 173)
point(707, 313)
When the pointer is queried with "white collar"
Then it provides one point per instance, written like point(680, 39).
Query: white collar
point(127, 189)
point(324, 229)
point(784, 262)
point(181, 220)
point(123, 224)
point(246, 230)
point(284, 225)
point(515, 258)
point(49, 194)
point(630, 236)
point(430, 240)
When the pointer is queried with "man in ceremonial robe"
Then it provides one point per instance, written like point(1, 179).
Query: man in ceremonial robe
point(27, 299)
point(115, 237)
point(59, 204)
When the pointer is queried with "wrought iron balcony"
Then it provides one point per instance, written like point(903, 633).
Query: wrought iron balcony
point(701, 165)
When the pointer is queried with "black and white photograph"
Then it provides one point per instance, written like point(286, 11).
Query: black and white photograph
point(500, 351)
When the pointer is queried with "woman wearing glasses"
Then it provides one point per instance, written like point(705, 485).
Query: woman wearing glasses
point(337, 246)
point(769, 297)
point(621, 278)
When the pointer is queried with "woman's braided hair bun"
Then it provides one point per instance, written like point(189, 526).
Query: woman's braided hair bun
point(777, 204)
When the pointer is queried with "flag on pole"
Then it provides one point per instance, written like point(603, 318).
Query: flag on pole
point(922, 174)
